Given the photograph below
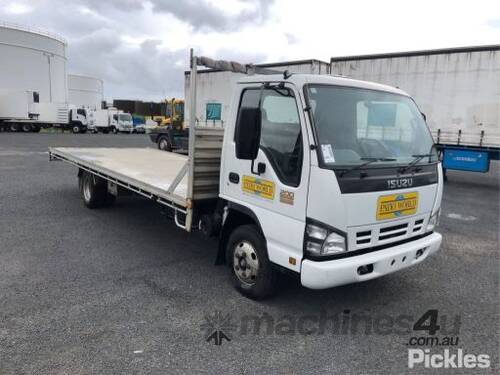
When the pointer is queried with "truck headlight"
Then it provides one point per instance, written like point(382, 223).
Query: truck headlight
point(433, 221)
point(320, 240)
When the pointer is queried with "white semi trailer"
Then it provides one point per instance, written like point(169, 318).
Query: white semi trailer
point(332, 179)
point(458, 89)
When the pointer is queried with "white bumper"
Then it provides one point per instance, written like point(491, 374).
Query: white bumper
point(327, 274)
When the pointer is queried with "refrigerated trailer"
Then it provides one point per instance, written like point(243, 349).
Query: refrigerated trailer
point(16, 107)
point(302, 179)
point(458, 89)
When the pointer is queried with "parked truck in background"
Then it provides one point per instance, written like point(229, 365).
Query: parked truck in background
point(171, 134)
point(458, 89)
point(331, 179)
point(20, 111)
point(111, 119)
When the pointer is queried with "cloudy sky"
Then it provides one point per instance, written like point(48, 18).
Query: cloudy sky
point(140, 47)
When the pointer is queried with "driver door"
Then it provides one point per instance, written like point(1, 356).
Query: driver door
point(278, 194)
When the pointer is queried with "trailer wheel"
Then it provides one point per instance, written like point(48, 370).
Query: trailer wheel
point(251, 270)
point(26, 128)
point(94, 191)
point(14, 127)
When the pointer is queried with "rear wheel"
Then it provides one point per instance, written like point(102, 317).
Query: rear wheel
point(252, 272)
point(94, 191)
point(27, 128)
point(14, 127)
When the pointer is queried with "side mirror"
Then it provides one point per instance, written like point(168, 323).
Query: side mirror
point(247, 134)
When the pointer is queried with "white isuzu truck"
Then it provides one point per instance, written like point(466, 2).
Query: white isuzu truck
point(332, 179)
point(111, 119)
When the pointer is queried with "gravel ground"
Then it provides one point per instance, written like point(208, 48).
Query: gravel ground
point(123, 291)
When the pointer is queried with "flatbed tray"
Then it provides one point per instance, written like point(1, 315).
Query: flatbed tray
point(159, 173)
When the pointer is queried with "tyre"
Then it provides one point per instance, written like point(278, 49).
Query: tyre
point(251, 270)
point(94, 191)
point(26, 128)
point(114, 130)
point(75, 129)
point(35, 129)
point(14, 127)
point(164, 144)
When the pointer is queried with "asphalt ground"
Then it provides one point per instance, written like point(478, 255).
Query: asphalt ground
point(124, 291)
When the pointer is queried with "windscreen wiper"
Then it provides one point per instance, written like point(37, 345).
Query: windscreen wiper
point(367, 162)
point(417, 157)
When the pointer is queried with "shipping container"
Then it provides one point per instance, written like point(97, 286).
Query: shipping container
point(457, 89)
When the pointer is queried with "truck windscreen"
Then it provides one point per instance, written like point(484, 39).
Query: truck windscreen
point(354, 125)
point(125, 117)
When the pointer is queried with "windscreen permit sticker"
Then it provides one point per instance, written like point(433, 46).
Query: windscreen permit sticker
point(327, 153)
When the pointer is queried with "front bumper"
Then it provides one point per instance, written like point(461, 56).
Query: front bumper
point(327, 274)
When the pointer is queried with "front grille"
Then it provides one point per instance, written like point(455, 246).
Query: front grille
point(380, 234)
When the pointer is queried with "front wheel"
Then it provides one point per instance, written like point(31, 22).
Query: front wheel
point(115, 130)
point(252, 272)
point(76, 129)
point(164, 144)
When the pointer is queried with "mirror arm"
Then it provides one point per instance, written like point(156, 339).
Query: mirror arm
point(261, 168)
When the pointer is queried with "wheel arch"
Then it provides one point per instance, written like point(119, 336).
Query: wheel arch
point(237, 215)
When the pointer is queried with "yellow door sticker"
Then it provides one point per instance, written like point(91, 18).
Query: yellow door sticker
point(397, 205)
point(258, 186)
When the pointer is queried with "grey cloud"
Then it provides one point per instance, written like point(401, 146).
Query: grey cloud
point(147, 71)
point(201, 14)
point(121, 5)
point(150, 46)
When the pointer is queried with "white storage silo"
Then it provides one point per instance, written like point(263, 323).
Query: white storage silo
point(84, 91)
point(36, 61)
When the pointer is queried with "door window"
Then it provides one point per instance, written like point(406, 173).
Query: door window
point(281, 136)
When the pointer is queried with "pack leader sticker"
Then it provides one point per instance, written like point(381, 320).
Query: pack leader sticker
point(327, 153)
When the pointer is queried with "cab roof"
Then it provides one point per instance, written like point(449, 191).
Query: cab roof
point(300, 80)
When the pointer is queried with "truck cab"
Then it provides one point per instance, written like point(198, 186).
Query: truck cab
point(339, 178)
point(78, 119)
point(121, 122)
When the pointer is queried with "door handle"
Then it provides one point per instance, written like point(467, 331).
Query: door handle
point(234, 177)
